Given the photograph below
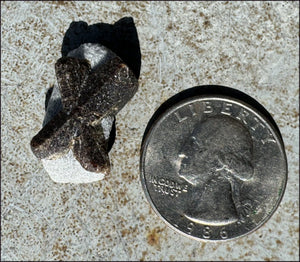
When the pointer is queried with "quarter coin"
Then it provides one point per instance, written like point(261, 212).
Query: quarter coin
point(213, 167)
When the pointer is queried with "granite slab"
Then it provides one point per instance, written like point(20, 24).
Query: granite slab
point(250, 46)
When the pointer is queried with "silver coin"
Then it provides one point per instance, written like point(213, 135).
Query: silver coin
point(213, 167)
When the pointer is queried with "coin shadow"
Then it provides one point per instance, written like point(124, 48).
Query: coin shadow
point(209, 90)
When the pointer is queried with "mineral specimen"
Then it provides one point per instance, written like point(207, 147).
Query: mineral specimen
point(93, 85)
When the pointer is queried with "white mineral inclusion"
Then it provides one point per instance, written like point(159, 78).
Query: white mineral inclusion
point(66, 169)
point(96, 54)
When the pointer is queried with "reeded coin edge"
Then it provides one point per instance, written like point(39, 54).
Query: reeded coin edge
point(225, 98)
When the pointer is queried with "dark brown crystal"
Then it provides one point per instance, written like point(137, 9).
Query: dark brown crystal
point(87, 97)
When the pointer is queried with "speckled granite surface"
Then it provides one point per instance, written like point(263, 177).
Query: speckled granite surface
point(253, 47)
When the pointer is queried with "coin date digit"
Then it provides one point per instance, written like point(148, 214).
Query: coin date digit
point(223, 233)
point(190, 228)
point(206, 232)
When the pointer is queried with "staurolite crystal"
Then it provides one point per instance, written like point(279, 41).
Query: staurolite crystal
point(93, 85)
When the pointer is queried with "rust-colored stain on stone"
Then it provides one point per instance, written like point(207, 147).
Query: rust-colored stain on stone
point(125, 232)
point(153, 237)
point(144, 253)
point(250, 242)
point(59, 251)
point(43, 230)
point(271, 258)
point(61, 3)
point(206, 24)
point(278, 242)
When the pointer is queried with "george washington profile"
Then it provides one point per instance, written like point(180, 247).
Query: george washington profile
point(216, 160)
